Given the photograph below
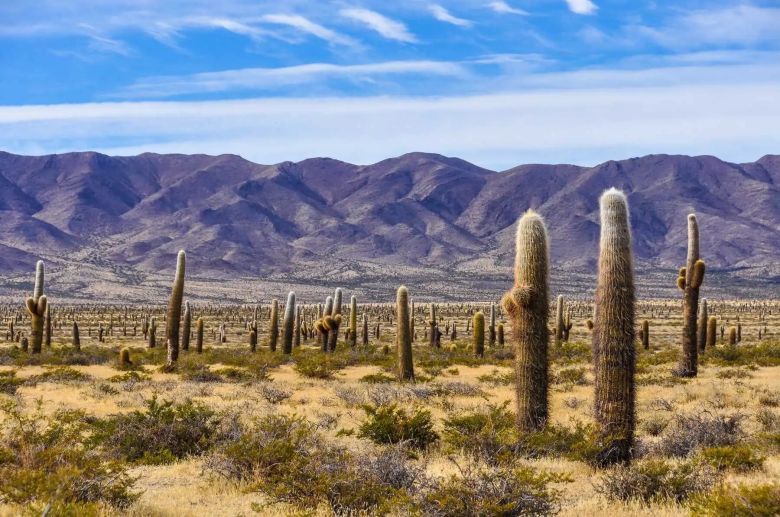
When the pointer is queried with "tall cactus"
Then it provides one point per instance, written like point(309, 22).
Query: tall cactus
point(47, 327)
point(320, 325)
point(36, 306)
point(479, 334)
point(492, 328)
point(701, 331)
point(173, 319)
point(712, 331)
point(75, 339)
point(645, 334)
point(613, 333)
point(689, 280)
point(433, 324)
point(527, 308)
point(297, 338)
point(273, 332)
point(353, 322)
point(199, 336)
point(152, 332)
point(365, 329)
point(187, 328)
point(334, 323)
point(559, 320)
point(289, 324)
point(403, 336)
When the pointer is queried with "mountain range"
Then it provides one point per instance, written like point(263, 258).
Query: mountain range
point(423, 212)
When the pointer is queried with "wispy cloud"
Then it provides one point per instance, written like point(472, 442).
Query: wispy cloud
point(582, 6)
point(500, 6)
point(273, 78)
point(443, 15)
point(305, 25)
point(389, 28)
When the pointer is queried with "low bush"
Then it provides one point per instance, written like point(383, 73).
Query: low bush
point(741, 458)
point(496, 378)
point(687, 433)
point(575, 443)
point(761, 500)
point(574, 376)
point(487, 434)
point(63, 374)
point(493, 491)
point(376, 378)
point(389, 424)
point(9, 382)
point(161, 433)
point(656, 481)
point(45, 460)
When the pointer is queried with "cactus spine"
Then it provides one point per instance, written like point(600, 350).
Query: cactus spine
point(479, 334)
point(36, 306)
point(403, 336)
point(527, 307)
point(199, 336)
point(689, 280)
point(289, 324)
point(173, 319)
point(613, 333)
point(701, 332)
point(353, 322)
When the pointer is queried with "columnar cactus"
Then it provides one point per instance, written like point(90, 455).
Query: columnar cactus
point(173, 319)
point(645, 332)
point(124, 358)
point(500, 332)
point(479, 334)
point(559, 320)
point(36, 306)
point(199, 336)
point(152, 331)
point(334, 322)
point(365, 330)
point(492, 328)
point(403, 336)
point(527, 307)
point(297, 338)
point(701, 331)
point(273, 331)
point(75, 339)
point(353, 322)
point(433, 324)
point(47, 329)
point(689, 280)
point(733, 336)
point(289, 324)
point(320, 325)
point(253, 336)
point(187, 328)
point(613, 333)
point(712, 331)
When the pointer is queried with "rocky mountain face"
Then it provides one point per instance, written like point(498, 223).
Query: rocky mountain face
point(236, 218)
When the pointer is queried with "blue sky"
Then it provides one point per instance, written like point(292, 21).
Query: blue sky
point(496, 82)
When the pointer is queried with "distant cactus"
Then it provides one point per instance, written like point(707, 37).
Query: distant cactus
point(733, 336)
point(187, 328)
point(492, 327)
point(124, 358)
point(152, 331)
point(47, 327)
point(253, 336)
point(500, 332)
point(75, 339)
point(701, 332)
point(365, 330)
point(613, 333)
point(273, 332)
point(689, 280)
point(173, 319)
point(527, 307)
point(297, 338)
point(433, 324)
point(289, 324)
point(559, 320)
point(199, 336)
point(36, 306)
point(645, 334)
point(739, 332)
point(589, 324)
point(712, 331)
point(454, 333)
point(479, 334)
point(25, 344)
point(403, 336)
point(334, 323)
point(353, 322)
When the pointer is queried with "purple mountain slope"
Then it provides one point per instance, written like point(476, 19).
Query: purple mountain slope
point(238, 218)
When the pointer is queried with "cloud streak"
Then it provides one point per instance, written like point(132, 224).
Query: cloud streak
point(500, 6)
point(388, 28)
point(443, 15)
point(582, 6)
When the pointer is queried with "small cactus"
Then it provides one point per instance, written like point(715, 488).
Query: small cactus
point(492, 327)
point(124, 358)
point(152, 342)
point(187, 329)
point(353, 322)
point(365, 330)
point(273, 331)
point(199, 336)
point(500, 332)
point(75, 339)
point(712, 331)
point(733, 336)
point(403, 336)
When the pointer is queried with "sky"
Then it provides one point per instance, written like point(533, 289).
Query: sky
point(496, 82)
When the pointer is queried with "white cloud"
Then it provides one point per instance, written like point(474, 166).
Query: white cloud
point(390, 29)
point(500, 6)
point(273, 78)
point(443, 15)
point(309, 27)
point(586, 123)
point(582, 6)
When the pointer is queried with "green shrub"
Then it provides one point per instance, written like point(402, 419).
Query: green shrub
point(487, 434)
point(47, 459)
point(765, 353)
point(200, 374)
point(61, 374)
point(389, 424)
point(316, 366)
point(131, 376)
point(575, 443)
point(502, 491)
point(497, 378)
point(739, 501)
point(574, 375)
point(570, 353)
point(742, 458)
point(656, 481)
point(161, 433)
point(9, 383)
point(377, 378)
